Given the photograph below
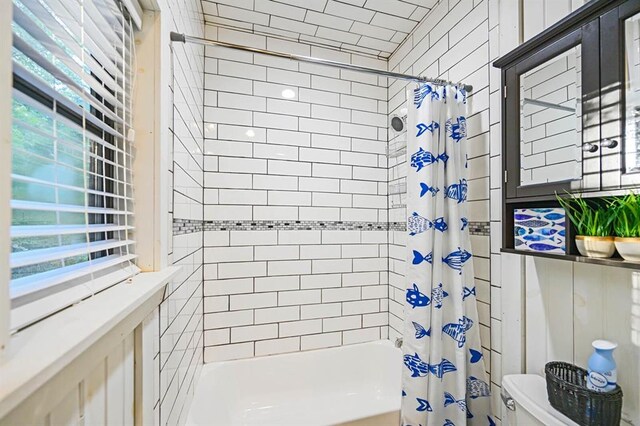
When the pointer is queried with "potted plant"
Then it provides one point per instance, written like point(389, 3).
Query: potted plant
point(593, 221)
point(627, 227)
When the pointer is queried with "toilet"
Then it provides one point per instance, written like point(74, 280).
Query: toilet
point(526, 402)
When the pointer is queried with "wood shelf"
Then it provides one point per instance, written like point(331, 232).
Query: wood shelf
point(552, 198)
point(616, 262)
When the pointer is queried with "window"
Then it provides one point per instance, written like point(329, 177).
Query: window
point(72, 198)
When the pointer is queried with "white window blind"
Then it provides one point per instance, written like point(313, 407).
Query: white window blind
point(72, 197)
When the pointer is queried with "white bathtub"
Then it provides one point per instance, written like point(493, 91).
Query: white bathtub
point(349, 385)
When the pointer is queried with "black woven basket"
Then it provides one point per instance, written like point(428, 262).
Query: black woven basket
point(568, 393)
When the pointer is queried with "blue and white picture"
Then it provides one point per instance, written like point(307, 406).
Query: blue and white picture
point(541, 230)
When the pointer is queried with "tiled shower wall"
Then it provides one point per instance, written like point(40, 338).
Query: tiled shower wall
point(181, 319)
point(453, 43)
point(295, 218)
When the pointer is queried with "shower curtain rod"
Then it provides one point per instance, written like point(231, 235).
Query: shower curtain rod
point(178, 37)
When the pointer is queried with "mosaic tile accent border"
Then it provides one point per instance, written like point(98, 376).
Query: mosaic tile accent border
point(479, 228)
point(188, 226)
point(397, 226)
point(475, 228)
point(295, 225)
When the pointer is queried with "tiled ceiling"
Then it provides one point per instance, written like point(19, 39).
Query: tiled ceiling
point(375, 27)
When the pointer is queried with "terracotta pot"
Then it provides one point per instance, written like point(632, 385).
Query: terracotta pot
point(629, 248)
point(601, 247)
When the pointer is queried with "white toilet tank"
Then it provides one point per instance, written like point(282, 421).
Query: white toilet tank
point(525, 396)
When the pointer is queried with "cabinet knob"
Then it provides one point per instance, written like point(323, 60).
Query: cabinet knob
point(589, 147)
point(609, 143)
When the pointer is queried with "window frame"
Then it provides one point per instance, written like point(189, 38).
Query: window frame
point(6, 100)
point(150, 165)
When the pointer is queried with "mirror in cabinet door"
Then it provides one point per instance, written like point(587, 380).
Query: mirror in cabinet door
point(552, 118)
point(620, 98)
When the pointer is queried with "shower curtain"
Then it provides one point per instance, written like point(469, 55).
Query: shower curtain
point(444, 380)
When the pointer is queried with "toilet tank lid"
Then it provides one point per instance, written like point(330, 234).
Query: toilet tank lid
point(530, 392)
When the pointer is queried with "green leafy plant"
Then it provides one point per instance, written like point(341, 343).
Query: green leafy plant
point(593, 218)
point(627, 222)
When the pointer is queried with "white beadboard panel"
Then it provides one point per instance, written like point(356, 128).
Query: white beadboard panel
point(104, 395)
point(568, 306)
point(605, 304)
point(548, 287)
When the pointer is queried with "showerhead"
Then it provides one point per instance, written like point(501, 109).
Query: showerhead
point(397, 123)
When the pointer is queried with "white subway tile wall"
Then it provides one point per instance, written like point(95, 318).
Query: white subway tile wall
point(374, 27)
point(295, 208)
point(180, 354)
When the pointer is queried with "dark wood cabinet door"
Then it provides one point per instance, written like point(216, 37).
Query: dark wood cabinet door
point(532, 123)
point(620, 96)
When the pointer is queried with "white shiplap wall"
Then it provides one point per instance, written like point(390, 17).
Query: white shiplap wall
point(105, 395)
point(569, 305)
point(310, 160)
point(540, 14)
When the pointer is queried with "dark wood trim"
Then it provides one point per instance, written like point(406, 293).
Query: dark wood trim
point(613, 62)
point(550, 197)
point(511, 134)
point(589, 11)
point(628, 9)
point(505, 162)
point(591, 101)
point(616, 262)
point(549, 51)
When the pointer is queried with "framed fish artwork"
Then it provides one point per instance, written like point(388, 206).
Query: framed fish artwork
point(542, 230)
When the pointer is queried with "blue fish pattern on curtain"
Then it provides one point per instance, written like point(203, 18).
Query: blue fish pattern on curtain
point(444, 380)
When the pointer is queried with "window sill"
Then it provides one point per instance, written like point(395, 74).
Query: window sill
point(37, 354)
